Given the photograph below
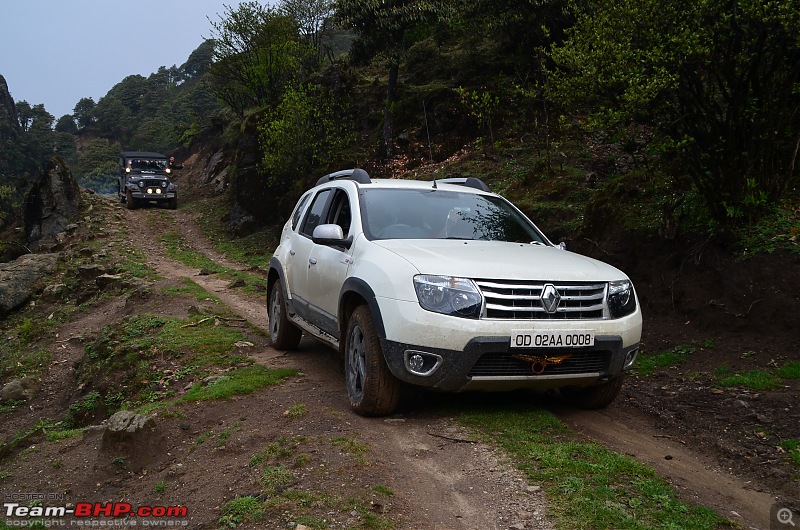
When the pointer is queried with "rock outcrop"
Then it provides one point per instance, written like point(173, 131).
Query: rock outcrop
point(52, 204)
point(19, 279)
point(9, 125)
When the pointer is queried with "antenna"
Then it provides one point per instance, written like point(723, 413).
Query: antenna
point(430, 149)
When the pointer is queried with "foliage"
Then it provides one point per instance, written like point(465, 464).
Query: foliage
point(770, 378)
point(256, 53)
point(386, 29)
point(66, 124)
point(84, 112)
point(7, 202)
point(240, 381)
point(97, 166)
point(481, 105)
point(310, 17)
point(300, 135)
point(778, 229)
point(753, 379)
point(647, 363)
point(792, 445)
point(717, 80)
point(239, 510)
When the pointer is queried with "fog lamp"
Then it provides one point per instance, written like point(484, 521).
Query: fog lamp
point(416, 362)
point(149, 190)
point(422, 363)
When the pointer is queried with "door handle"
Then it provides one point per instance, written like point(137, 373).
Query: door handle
point(312, 261)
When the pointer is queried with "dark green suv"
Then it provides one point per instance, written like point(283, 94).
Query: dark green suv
point(145, 178)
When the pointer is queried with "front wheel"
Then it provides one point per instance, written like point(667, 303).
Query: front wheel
point(284, 334)
point(594, 397)
point(173, 204)
point(130, 202)
point(372, 388)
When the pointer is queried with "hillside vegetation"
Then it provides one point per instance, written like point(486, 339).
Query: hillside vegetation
point(667, 121)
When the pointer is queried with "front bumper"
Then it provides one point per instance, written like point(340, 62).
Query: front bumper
point(144, 196)
point(467, 354)
point(489, 363)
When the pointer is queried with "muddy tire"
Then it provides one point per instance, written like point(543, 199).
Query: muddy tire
point(130, 202)
point(593, 397)
point(284, 334)
point(372, 388)
point(173, 204)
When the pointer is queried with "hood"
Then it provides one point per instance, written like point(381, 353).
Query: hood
point(499, 260)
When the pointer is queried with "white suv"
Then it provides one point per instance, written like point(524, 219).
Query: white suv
point(446, 285)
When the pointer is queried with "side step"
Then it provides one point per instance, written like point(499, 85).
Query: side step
point(314, 331)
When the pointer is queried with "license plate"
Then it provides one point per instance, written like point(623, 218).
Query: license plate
point(552, 339)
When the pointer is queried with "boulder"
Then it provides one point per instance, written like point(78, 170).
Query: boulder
point(135, 439)
point(19, 278)
point(17, 390)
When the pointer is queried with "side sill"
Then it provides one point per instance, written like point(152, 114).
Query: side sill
point(315, 332)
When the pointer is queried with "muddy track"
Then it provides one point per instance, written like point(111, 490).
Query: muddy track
point(466, 482)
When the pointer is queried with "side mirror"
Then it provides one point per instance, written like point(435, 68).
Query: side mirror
point(330, 235)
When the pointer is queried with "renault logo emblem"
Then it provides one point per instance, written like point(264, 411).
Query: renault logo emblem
point(550, 298)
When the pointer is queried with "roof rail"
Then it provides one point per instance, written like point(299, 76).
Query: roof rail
point(356, 174)
point(471, 182)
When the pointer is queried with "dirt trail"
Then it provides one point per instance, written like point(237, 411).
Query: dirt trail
point(440, 478)
point(445, 481)
point(696, 477)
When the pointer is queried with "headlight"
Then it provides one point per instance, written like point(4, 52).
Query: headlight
point(621, 300)
point(447, 295)
point(164, 183)
point(141, 184)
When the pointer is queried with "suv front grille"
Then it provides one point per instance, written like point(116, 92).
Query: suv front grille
point(522, 300)
point(500, 364)
point(151, 183)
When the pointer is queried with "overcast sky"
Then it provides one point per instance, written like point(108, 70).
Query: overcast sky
point(56, 52)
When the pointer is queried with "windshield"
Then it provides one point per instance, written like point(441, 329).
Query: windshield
point(438, 214)
point(147, 164)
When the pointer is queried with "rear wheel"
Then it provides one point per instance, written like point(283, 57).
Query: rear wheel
point(130, 202)
point(372, 388)
point(284, 334)
point(594, 397)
